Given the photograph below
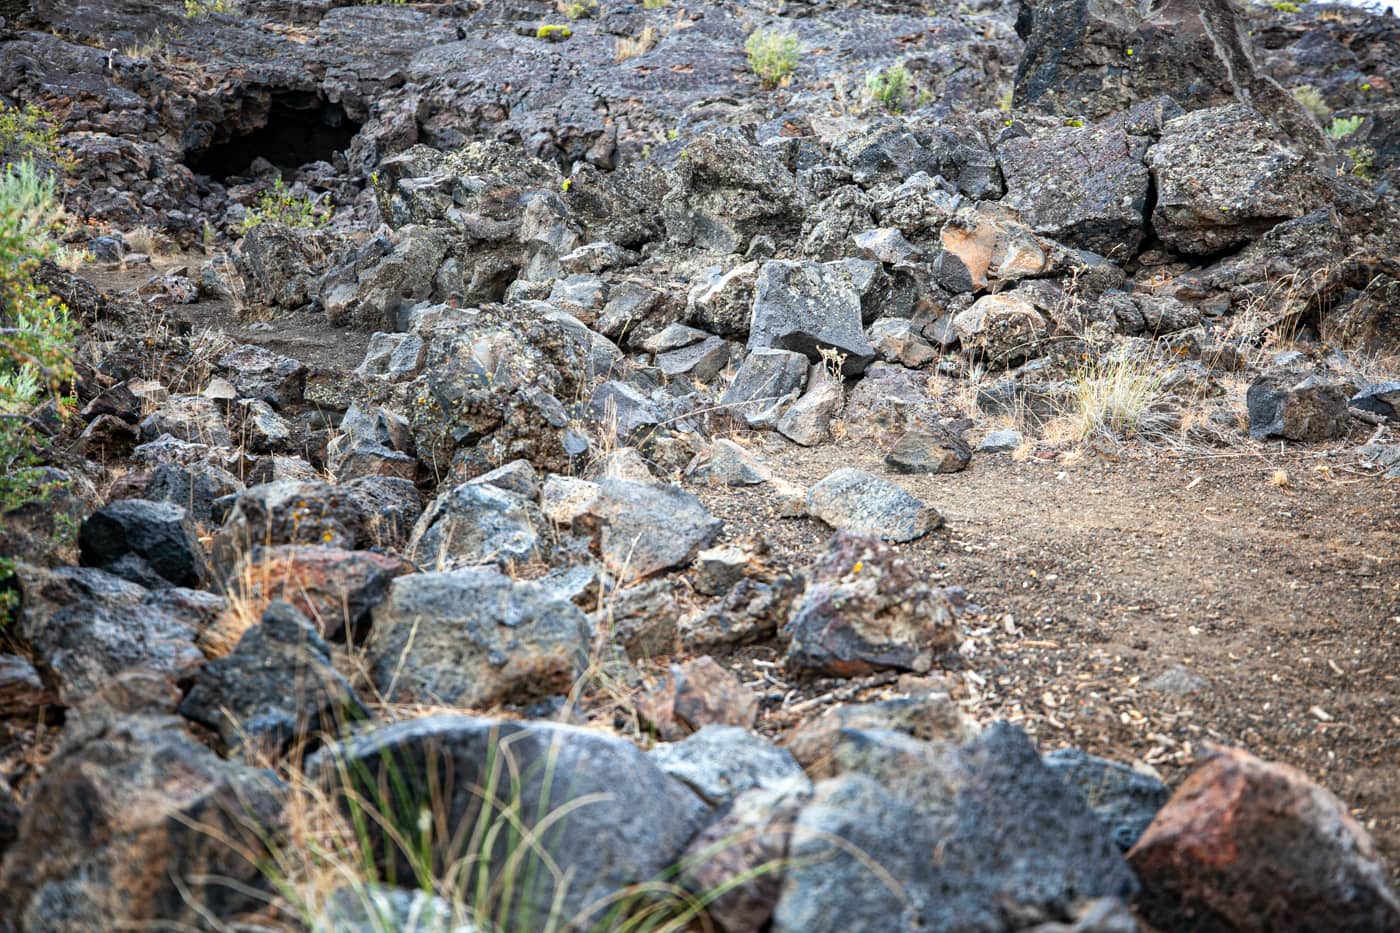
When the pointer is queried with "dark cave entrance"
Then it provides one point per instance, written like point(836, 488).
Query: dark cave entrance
point(300, 129)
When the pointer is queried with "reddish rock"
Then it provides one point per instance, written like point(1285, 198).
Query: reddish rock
point(332, 587)
point(695, 694)
point(865, 609)
point(1249, 845)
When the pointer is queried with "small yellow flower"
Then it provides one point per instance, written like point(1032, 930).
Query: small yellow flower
point(858, 566)
point(568, 183)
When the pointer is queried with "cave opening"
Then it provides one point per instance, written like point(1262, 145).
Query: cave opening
point(300, 129)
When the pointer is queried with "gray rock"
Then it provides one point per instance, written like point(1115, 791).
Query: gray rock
point(853, 500)
point(157, 536)
point(187, 418)
point(87, 626)
point(598, 804)
point(1082, 186)
point(674, 337)
point(477, 523)
point(1016, 845)
point(640, 528)
point(999, 441)
point(807, 421)
point(936, 449)
point(897, 340)
point(767, 380)
point(622, 409)
point(518, 476)
point(1123, 799)
point(725, 463)
point(806, 307)
point(700, 361)
point(277, 686)
point(864, 609)
point(259, 428)
point(1224, 176)
point(131, 803)
point(1382, 398)
point(721, 762)
point(1311, 408)
point(887, 245)
point(474, 637)
point(258, 373)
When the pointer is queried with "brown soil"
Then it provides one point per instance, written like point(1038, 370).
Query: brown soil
point(1096, 578)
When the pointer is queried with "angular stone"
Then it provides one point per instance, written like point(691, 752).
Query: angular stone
point(1250, 845)
point(518, 476)
point(1382, 398)
point(725, 463)
point(930, 716)
point(1312, 408)
point(158, 536)
point(395, 357)
point(473, 638)
point(864, 609)
point(472, 525)
point(766, 381)
point(1000, 441)
point(700, 361)
point(724, 304)
point(853, 500)
point(276, 687)
point(806, 307)
point(594, 802)
point(897, 340)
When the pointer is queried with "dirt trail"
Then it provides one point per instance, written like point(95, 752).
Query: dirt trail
point(1097, 578)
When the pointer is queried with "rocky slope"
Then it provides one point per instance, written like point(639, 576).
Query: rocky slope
point(601, 487)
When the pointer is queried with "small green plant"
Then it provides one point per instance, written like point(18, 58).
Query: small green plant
point(1363, 161)
point(1286, 6)
point(1004, 101)
point(891, 88)
point(1311, 98)
point(579, 9)
point(1344, 126)
point(36, 334)
point(772, 56)
point(197, 8)
point(553, 32)
point(31, 132)
point(654, 4)
point(279, 205)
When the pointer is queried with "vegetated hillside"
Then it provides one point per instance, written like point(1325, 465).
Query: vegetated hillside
point(824, 466)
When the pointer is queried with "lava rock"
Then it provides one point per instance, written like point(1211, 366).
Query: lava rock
point(1125, 800)
point(1281, 404)
point(853, 500)
point(697, 694)
point(277, 686)
point(927, 715)
point(766, 382)
point(864, 609)
point(474, 637)
point(258, 373)
point(807, 307)
point(933, 450)
point(1004, 328)
point(636, 822)
point(1251, 845)
point(725, 463)
point(720, 762)
point(157, 534)
point(1382, 398)
point(476, 523)
point(807, 421)
point(898, 799)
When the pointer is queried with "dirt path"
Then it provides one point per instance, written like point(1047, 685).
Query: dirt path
point(1273, 611)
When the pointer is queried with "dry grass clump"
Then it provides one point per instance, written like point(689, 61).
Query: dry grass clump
point(629, 47)
point(1112, 394)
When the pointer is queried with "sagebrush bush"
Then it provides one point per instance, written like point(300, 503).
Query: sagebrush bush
point(36, 334)
point(279, 205)
point(891, 88)
point(773, 55)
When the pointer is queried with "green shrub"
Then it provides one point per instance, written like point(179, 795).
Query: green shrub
point(1286, 6)
point(36, 334)
point(278, 205)
point(553, 32)
point(1312, 99)
point(1344, 126)
point(1363, 161)
point(772, 55)
point(892, 88)
point(30, 132)
point(579, 9)
point(197, 8)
